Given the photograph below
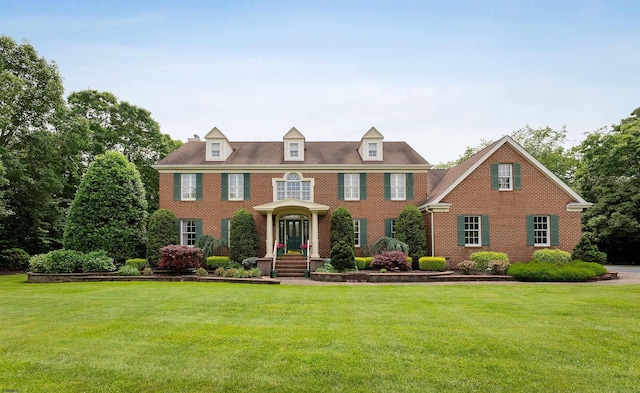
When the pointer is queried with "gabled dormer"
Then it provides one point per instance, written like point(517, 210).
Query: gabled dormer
point(218, 146)
point(370, 147)
point(293, 145)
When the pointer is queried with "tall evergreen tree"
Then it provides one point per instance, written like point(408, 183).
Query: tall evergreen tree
point(163, 231)
point(410, 230)
point(342, 227)
point(243, 236)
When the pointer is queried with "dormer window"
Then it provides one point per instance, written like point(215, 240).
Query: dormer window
point(216, 149)
point(373, 149)
point(370, 147)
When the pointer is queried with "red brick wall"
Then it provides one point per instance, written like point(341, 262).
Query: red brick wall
point(211, 209)
point(507, 211)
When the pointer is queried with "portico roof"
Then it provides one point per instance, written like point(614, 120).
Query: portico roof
point(291, 205)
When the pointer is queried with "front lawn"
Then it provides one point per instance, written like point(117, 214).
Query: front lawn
point(205, 337)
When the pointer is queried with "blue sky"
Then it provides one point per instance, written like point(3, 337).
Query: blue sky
point(441, 75)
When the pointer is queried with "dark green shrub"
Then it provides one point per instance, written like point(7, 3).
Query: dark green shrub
point(14, 259)
point(250, 263)
point(109, 211)
point(342, 227)
point(588, 252)
point(178, 258)
point(467, 267)
point(63, 261)
point(551, 256)
point(342, 256)
point(37, 263)
point(388, 244)
point(410, 230)
point(163, 231)
point(138, 263)
point(216, 261)
point(391, 260)
point(363, 263)
point(128, 270)
point(544, 271)
point(482, 259)
point(595, 267)
point(432, 263)
point(243, 236)
point(97, 261)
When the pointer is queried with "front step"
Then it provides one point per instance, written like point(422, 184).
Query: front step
point(291, 267)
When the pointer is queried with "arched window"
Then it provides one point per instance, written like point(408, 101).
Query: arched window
point(293, 186)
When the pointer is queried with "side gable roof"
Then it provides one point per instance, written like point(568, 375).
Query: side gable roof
point(458, 173)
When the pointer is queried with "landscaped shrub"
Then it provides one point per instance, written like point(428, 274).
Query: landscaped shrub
point(250, 263)
point(588, 252)
point(177, 257)
point(363, 263)
point(243, 236)
point(138, 263)
point(14, 259)
point(595, 267)
point(466, 267)
point(342, 227)
point(482, 259)
point(388, 244)
point(58, 261)
point(163, 231)
point(342, 256)
point(97, 261)
point(216, 261)
point(210, 246)
point(410, 230)
point(238, 273)
point(551, 256)
point(147, 271)
point(128, 270)
point(498, 267)
point(544, 271)
point(326, 268)
point(391, 260)
point(432, 263)
point(202, 272)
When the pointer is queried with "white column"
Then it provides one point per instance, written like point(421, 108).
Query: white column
point(269, 236)
point(314, 236)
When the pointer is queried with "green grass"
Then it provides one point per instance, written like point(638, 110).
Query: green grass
point(206, 337)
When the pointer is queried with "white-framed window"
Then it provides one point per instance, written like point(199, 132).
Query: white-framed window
point(505, 176)
point(351, 186)
point(216, 149)
point(188, 187)
point(398, 186)
point(294, 186)
point(236, 186)
point(541, 234)
point(294, 150)
point(356, 233)
point(188, 232)
point(472, 231)
point(372, 149)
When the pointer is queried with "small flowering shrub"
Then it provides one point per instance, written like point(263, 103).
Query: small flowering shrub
point(467, 267)
point(176, 257)
point(391, 260)
point(437, 264)
point(551, 256)
point(498, 267)
point(482, 258)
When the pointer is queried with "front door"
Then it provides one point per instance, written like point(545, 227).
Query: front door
point(294, 234)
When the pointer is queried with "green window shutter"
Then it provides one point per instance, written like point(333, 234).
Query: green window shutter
point(363, 232)
point(179, 222)
point(387, 227)
point(387, 186)
point(484, 224)
point(198, 186)
point(341, 186)
point(460, 227)
point(247, 188)
point(177, 186)
point(409, 186)
point(517, 179)
point(530, 232)
point(363, 187)
point(495, 181)
point(224, 230)
point(224, 186)
point(198, 229)
point(555, 236)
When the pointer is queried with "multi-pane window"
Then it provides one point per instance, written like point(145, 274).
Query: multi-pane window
point(356, 232)
point(352, 186)
point(215, 149)
point(372, 148)
point(393, 227)
point(188, 187)
point(541, 230)
point(294, 150)
point(472, 231)
point(505, 177)
point(293, 188)
point(398, 186)
point(188, 232)
point(236, 186)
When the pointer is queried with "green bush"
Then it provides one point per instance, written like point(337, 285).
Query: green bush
point(71, 261)
point(482, 259)
point(138, 263)
point(243, 236)
point(14, 259)
point(432, 263)
point(327, 268)
point(363, 263)
point(467, 267)
point(551, 256)
point(216, 261)
point(410, 230)
point(588, 252)
point(163, 231)
point(498, 267)
point(147, 271)
point(342, 227)
point(128, 270)
point(342, 256)
point(388, 244)
point(202, 272)
point(544, 271)
point(238, 273)
point(97, 261)
point(37, 263)
point(595, 267)
point(250, 263)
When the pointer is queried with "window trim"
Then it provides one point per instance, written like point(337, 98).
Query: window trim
point(238, 187)
point(217, 150)
point(303, 182)
point(192, 186)
point(547, 231)
point(395, 189)
point(375, 150)
point(352, 188)
point(183, 233)
point(509, 177)
point(478, 222)
point(291, 151)
point(356, 232)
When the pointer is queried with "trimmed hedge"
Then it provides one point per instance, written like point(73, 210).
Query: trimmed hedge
point(436, 264)
point(482, 259)
point(543, 271)
point(363, 263)
point(216, 261)
point(71, 261)
point(551, 256)
point(138, 263)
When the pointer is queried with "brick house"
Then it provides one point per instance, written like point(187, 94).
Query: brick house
point(292, 187)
